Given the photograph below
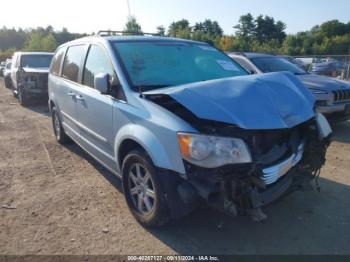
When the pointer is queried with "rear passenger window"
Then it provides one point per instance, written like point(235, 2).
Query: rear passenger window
point(57, 61)
point(72, 62)
point(96, 62)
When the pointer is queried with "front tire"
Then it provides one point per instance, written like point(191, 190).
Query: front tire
point(59, 132)
point(143, 190)
point(7, 83)
point(22, 97)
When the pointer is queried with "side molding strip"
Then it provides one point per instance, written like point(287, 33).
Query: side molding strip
point(80, 125)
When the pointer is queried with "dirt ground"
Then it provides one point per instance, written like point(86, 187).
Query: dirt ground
point(66, 203)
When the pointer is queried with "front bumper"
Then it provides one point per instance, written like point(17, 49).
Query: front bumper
point(243, 197)
point(288, 183)
point(329, 109)
point(336, 112)
point(34, 91)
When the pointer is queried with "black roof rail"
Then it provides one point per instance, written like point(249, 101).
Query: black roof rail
point(114, 33)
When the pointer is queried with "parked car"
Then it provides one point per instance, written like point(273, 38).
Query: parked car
point(7, 74)
point(2, 67)
point(331, 68)
point(332, 95)
point(180, 122)
point(29, 75)
point(296, 62)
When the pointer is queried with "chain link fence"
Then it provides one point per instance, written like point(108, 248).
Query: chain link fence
point(329, 65)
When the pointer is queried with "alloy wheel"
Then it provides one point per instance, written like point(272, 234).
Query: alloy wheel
point(141, 188)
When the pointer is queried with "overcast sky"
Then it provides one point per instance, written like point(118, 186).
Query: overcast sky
point(90, 16)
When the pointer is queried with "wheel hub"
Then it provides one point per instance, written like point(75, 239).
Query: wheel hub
point(141, 188)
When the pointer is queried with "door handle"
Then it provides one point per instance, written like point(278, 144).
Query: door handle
point(71, 94)
point(79, 97)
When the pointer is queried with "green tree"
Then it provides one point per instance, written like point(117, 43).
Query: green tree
point(12, 38)
point(208, 27)
point(38, 42)
point(49, 43)
point(334, 28)
point(34, 42)
point(161, 30)
point(132, 26)
point(246, 26)
point(180, 29)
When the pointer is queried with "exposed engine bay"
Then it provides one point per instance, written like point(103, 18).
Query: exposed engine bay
point(283, 160)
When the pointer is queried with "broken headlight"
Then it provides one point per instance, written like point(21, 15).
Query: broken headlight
point(212, 151)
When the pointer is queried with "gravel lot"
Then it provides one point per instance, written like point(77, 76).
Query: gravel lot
point(66, 203)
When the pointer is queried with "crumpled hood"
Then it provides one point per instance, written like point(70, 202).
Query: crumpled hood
point(323, 82)
point(266, 101)
point(39, 70)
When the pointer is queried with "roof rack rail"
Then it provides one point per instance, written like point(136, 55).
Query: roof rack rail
point(114, 33)
point(239, 53)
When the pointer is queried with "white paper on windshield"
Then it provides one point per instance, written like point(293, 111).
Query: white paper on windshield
point(227, 65)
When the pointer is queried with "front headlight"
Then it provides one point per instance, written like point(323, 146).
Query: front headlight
point(318, 91)
point(213, 151)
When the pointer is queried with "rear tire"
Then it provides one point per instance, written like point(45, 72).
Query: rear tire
point(58, 130)
point(143, 190)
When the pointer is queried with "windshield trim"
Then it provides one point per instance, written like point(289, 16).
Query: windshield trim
point(137, 88)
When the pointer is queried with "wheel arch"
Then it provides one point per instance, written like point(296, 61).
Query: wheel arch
point(134, 136)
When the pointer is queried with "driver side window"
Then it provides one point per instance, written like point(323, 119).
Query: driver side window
point(98, 62)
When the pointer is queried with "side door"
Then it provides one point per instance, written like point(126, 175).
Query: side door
point(95, 110)
point(14, 69)
point(66, 88)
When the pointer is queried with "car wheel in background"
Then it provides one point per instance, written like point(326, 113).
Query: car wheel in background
point(58, 130)
point(22, 97)
point(7, 83)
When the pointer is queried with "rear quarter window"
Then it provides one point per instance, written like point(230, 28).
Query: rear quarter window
point(55, 68)
point(73, 61)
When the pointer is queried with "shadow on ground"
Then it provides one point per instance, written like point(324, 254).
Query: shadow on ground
point(40, 107)
point(341, 132)
point(302, 223)
point(109, 176)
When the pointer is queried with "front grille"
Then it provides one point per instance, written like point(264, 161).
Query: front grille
point(341, 95)
point(43, 81)
point(272, 174)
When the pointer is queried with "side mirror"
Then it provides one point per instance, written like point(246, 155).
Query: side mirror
point(252, 72)
point(101, 82)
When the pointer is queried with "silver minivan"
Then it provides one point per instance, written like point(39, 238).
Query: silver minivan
point(181, 123)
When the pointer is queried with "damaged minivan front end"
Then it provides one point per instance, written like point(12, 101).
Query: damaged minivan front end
point(258, 138)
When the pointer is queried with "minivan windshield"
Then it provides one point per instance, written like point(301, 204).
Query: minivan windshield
point(155, 64)
point(36, 60)
point(276, 64)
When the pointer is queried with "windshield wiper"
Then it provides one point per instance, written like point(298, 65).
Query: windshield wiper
point(143, 88)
